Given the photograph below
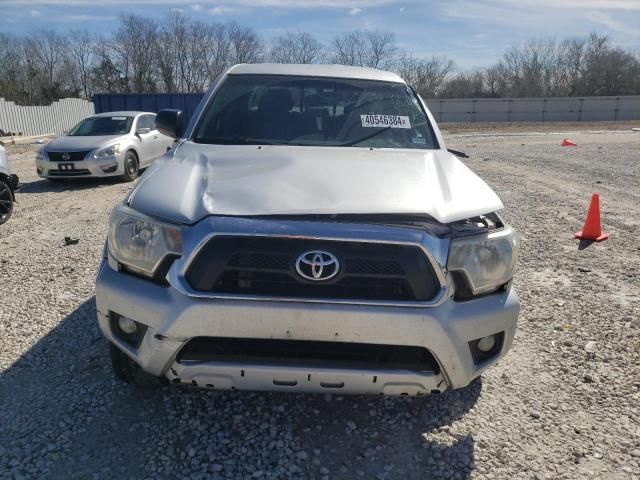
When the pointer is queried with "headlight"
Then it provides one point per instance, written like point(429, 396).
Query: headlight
point(41, 155)
point(486, 261)
point(108, 151)
point(141, 243)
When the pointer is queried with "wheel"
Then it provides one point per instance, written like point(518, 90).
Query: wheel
point(131, 166)
point(129, 371)
point(6, 202)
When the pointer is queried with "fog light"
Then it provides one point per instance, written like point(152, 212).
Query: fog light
point(127, 326)
point(109, 168)
point(485, 344)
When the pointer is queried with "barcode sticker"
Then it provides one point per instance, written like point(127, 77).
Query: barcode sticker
point(381, 121)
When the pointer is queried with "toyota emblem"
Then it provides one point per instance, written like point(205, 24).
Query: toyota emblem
point(317, 265)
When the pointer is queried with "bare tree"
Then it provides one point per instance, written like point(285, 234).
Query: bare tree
point(134, 54)
point(464, 85)
point(185, 55)
point(12, 68)
point(608, 70)
point(426, 75)
point(382, 49)
point(246, 45)
point(170, 35)
point(495, 81)
point(80, 53)
point(373, 49)
point(105, 74)
point(44, 49)
point(298, 47)
point(350, 49)
point(215, 53)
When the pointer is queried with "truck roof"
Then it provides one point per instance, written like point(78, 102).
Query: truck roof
point(329, 71)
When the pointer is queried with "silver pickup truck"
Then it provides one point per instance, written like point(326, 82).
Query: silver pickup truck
point(309, 232)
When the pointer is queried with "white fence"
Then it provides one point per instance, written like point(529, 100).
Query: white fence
point(55, 118)
point(551, 109)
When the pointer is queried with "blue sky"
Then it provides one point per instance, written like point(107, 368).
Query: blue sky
point(473, 33)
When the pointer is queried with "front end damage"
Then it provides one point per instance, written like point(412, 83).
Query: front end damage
point(241, 330)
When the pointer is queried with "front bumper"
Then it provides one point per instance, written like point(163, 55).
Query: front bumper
point(173, 318)
point(92, 167)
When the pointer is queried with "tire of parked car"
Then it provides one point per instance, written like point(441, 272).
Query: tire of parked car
point(129, 371)
point(6, 202)
point(131, 166)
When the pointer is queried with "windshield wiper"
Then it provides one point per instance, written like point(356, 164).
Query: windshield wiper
point(362, 139)
point(457, 153)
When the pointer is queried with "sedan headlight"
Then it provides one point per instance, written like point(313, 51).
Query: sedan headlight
point(141, 243)
point(108, 151)
point(41, 155)
point(486, 261)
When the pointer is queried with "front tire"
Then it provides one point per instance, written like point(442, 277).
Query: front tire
point(129, 371)
point(6, 202)
point(131, 166)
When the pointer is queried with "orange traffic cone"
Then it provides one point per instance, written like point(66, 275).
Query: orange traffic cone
point(568, 143)
point(592, 229)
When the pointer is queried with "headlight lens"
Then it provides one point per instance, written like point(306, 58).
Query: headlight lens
point(41, 155)
point(108, 151)
point(487, 261)
point(140, 242)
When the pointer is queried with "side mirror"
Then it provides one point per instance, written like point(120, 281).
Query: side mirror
point(170, 123)
point(143, 131)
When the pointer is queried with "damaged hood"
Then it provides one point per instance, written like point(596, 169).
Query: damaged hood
point(245, 180)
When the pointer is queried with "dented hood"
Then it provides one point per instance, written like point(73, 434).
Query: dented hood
point(246, 180)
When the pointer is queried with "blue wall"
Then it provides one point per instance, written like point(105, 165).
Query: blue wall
point(147, 102)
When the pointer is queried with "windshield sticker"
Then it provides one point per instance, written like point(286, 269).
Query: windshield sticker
point(118, 118)
point(419, 140)
point(392, 121)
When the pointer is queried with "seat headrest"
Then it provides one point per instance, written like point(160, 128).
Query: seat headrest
point(276, 100)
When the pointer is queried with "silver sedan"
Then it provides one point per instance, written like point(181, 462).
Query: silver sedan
point(104, 145)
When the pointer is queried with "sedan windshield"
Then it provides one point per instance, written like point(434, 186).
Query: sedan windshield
point(94, 126)
point(287, 110)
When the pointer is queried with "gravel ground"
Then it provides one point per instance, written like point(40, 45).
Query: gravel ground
point(565, 402)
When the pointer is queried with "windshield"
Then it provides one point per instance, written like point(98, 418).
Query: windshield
point(285, 110)
point(94, 126)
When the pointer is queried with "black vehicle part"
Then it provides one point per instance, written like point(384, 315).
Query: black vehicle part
point(310, 353)
point(480, 356)
point(457, 153)
point(170, 122)
point(131, 166)
point(67, 156)
point(6, 201)
point(265, 266)
point(129, 371)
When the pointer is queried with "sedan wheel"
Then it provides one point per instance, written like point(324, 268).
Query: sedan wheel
point(6, 202)
point(131, 167)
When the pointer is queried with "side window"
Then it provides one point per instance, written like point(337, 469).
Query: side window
point(140, 123)
point(146, 121)
point(151, 120)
